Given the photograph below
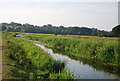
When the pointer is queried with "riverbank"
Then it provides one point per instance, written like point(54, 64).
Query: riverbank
point(30, 62)
point(0, 57)
point(79, 69)
point(6, 62)
point(99, 52)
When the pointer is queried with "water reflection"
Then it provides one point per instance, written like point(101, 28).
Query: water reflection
point(80, 70)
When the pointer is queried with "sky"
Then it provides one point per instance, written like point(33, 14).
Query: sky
point(98, 14)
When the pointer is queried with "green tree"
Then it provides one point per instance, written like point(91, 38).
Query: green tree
point(4, 27)
point(116, 31)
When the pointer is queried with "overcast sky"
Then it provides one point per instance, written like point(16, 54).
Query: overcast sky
point(97, 14)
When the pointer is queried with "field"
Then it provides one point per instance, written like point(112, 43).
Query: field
point(99, 52)
point(27, 61)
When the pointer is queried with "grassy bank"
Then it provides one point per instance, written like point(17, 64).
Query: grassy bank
point(99, 52)
point(0, 56)
point(28, 61)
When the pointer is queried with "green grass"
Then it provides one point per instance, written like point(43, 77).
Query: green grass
point(0, 56)
point(99, 52)
point(30, 62)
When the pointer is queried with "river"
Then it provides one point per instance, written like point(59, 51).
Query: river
point(80, 70)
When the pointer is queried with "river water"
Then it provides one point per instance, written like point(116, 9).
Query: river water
point(80, 70)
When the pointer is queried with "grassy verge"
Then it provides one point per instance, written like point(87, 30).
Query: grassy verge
point(6, 62)
point(28, 61)
point(0, 56)
point(99, 52)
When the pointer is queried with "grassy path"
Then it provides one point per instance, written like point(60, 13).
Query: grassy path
point(0, 65)
point(0, 58)
point(6, 62)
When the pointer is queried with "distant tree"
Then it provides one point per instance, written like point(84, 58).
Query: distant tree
point(13, 24)
point(49, 25)
point(49, 29)
point(116, 31)
point(10, 29)
point(17, 29)
point(4, 27)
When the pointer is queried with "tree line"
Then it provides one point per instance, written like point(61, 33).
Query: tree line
point(49, 29)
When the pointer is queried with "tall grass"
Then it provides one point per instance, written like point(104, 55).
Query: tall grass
point(100, 52)
point(30, 62)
